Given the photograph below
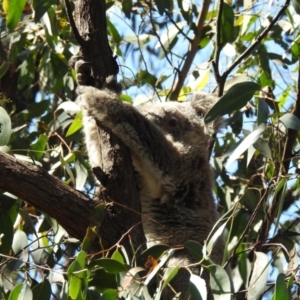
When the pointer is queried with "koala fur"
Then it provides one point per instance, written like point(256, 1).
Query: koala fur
point(169, 148)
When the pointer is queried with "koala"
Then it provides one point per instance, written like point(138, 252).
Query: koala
point(169, 144)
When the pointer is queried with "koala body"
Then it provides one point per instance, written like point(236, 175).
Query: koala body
point(169, 148)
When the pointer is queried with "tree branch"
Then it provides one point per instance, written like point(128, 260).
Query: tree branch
point(71, 208)
point(222, 78)
point(47, 193)
point(116, 170)
point(194, 46)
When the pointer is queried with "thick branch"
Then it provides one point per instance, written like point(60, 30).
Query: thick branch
point(89, 27)
point(33, 184)
point(71, 208)
point(116, 171)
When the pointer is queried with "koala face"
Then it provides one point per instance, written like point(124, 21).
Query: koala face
point(169, 119)
point(181, 121)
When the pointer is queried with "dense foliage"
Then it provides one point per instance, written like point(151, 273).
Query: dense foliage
point(245, 51)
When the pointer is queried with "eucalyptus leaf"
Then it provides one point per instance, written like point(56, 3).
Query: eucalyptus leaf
point(290, 121)
point(198, 288)
point(281, 291)
point(236, 97)
point(5, 127)
point(14, 13)
point(245, 144)
point(259, 276)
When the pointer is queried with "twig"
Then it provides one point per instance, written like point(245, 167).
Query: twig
point(191, 52)
point(287, 156)
point(175, 24)
point(158, 37)
point(215, 62)
point(249, 224)
point(221, 79)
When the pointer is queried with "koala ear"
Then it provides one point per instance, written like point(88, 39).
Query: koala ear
point(202, 102)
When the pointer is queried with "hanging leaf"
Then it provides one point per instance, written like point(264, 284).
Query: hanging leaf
point(5, 127)
point(220, 283)
point(227, 21)
point(259, 276)
point(281, 291)
point(235, 98)
point(290, 121)
point(126, 7)
point(163, 5)
point(15, 8)
point(198, 288)
point(245, 144)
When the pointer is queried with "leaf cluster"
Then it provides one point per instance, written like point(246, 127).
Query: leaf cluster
point(255, 157)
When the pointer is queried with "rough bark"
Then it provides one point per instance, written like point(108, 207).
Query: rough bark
point(71, 208)
point(47, 193)
point(116, 173)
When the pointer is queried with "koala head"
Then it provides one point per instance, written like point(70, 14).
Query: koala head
point(183, 121)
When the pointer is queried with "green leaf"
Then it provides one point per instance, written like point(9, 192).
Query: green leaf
point(163, 259)
point(6, 233)
point(126, 7)
point(263, 147)
point(14, 295)
point(110, 295)
point(235, 98)
point(259, 276)
point(19, 245)
point(215, 237)
point(5, 127)
point(14, 13)
point(39, 146)
point(27, 72)
point(296, 5)
point(3, 68)
point(220, 283)
point(81, 174)
point(118, 256)
point(69, 107)
point(227, 21)
point(26, 293)
point(163, 5)
point(27, 219)
point(58, 231)
point(110, 265)
point(42, 290)
point(77, 274)
point(262, 111)
point(114, 32)
point(245, 144)
point(286, 242)
point(198, 287)
point(40, 8)
point(139, 40)
point(36, 109)
point(169, 274)
point(195, 249)
point(281, 291)
point(290, 121)
point(103, 280)
point(76, 124)
point(95, 295)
